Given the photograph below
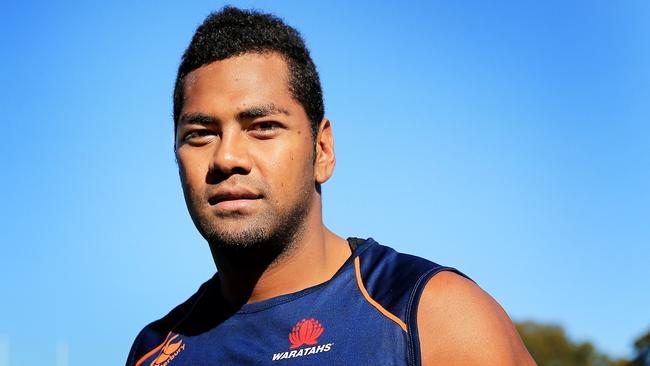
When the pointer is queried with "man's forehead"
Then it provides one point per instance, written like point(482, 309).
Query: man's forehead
point(248, 76)
point(248, 66)
point(250, 85)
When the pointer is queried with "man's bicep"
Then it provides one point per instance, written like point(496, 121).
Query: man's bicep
point(459, 323)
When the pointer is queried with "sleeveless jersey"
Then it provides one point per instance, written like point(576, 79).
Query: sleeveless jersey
point(364, 315)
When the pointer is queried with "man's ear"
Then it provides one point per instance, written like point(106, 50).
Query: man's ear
point(325, 159)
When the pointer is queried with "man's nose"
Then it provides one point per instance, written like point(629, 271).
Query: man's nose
point(232, 155)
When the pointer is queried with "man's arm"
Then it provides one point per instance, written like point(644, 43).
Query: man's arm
point(460, 324)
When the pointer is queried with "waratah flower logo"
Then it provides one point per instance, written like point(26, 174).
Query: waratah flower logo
point(306, 331)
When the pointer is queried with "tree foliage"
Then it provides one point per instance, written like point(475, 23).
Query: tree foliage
point(550, 346)
point(642, 351)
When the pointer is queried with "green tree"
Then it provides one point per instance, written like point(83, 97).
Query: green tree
point(642, 351)
point(550, 346)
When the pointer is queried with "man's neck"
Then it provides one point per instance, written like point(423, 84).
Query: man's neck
point(312, 258)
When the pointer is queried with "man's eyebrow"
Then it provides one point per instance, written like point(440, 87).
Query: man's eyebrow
point(261, 111)
point(196, 119)
point(257, 111)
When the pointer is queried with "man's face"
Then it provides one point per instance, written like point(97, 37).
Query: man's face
point(245, 151)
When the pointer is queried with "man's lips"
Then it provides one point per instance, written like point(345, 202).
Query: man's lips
point(233, 198)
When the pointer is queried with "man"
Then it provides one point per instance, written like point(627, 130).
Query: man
point(253, 148)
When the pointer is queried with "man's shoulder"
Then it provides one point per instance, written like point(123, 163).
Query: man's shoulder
point(449, 318)
point(459, 323)
point(387, 270)
point(155, 333)
point(383, 258)
point(395, 280)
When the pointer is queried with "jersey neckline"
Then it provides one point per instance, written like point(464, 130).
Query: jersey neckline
point(357, 246)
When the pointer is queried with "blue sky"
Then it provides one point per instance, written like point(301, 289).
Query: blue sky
point(508, 139)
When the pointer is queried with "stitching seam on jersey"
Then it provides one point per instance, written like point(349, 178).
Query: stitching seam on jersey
point(283, 301)
point(306, 292)
point(413, 358)
point(364, 292)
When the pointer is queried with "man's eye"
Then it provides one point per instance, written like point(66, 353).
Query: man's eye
point(265, 126)
point(197, 134)
point(264, 129)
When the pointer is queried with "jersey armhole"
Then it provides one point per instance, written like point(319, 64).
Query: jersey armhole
point(414, 355)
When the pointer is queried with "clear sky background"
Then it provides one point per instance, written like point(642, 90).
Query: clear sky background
point(508, 139)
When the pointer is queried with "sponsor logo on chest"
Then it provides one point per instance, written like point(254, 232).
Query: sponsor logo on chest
point(169, 351)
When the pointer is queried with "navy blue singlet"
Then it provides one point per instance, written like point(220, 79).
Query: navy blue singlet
point(365, 315)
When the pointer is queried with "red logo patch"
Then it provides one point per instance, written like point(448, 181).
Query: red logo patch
point(306, 331)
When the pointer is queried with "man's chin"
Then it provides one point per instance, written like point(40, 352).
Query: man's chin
point(248, 239)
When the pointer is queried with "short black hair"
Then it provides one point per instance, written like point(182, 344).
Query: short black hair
point(232, 32)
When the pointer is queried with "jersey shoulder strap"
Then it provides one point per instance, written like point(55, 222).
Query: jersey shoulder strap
point(396, 281)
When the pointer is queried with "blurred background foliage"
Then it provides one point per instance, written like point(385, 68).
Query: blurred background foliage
point(550, 346)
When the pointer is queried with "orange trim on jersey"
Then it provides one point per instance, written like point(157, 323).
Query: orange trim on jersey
point(148, 354)
point(362, 288)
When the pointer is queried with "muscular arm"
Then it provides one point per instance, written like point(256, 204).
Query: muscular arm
point(460, 324)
